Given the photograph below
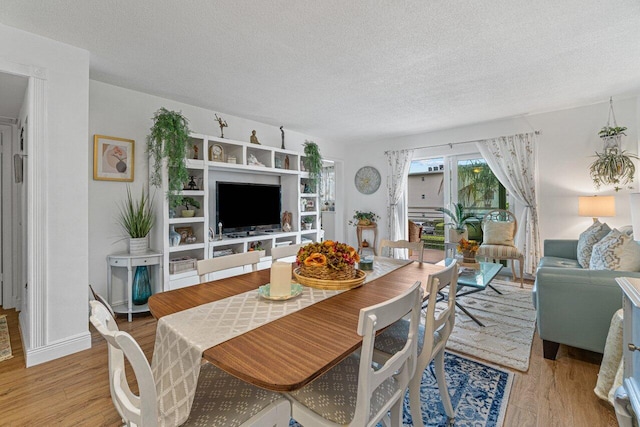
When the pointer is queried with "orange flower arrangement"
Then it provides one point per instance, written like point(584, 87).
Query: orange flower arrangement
point(467, 246)
point(332, 254)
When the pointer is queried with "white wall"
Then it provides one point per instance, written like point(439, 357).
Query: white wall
point(567, 145)
point(66, 205)
point(124, 113)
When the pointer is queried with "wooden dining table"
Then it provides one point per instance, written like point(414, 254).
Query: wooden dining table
point(289, 352)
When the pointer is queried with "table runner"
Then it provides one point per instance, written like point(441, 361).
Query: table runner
point(182, 337)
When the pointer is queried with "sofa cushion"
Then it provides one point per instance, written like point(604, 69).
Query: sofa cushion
point(551, 261)
point(588, 238)
point(616, 251)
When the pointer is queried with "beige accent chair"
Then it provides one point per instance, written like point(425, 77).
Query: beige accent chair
point(499, 228)
point(211, 265)
point(353, 393)
point(279, 252)
point(249, 407)
point(416, 247)
point(431, 342)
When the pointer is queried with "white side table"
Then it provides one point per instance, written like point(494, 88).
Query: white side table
point(125, 260)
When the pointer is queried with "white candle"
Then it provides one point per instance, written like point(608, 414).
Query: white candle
point(280, 279)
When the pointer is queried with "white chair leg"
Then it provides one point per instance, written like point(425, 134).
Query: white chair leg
point(414, 398)
point(438, 364)
point(396, 414)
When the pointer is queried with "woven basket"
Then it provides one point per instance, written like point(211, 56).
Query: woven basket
point(327, 273)
point(358, 280)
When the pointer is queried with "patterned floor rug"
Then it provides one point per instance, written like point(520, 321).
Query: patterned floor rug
point(5, 341)
point(509, 321)
point(479, 394)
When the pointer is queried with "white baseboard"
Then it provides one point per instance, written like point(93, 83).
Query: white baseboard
point(57, 349)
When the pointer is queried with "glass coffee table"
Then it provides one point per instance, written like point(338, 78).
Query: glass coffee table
point(472, 280)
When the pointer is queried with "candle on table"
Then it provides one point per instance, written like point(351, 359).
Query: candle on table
point(280, 279)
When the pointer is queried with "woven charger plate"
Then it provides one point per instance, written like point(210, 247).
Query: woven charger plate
point(330, 284)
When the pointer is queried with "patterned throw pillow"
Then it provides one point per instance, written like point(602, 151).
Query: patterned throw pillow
point(616, 251)
point(587, 239)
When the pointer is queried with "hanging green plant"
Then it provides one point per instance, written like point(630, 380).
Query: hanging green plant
point(613, 168)
point(313, 163)
point(168, 139)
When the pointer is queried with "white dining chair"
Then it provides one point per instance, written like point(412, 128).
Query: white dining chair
point(289, 251)
point(392, 245)
point(357, 392)
point(102, 300)
point(431, 342)
point(213, 403)
point(211, 265)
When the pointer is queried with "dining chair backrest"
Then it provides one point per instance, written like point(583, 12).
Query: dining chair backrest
point(280, 252)
point(392, 245)
point(141, 409)
point(226, 262)
point(438, 326)
point(400, 366)
point(102, 300)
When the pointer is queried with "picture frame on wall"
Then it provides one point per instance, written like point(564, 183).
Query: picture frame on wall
point(113, 158)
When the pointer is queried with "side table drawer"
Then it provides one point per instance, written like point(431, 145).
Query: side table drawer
point(146, 261)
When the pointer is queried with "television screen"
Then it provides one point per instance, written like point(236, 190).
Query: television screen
point(243, 206)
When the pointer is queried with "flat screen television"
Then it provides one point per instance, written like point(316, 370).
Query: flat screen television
point(245, 207)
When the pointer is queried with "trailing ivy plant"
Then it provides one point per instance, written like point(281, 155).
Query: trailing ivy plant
point(168, 140)
point(313, 163)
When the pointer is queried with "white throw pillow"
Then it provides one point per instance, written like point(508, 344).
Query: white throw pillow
point(588, 238)
point(616, 251)
point(498, 233)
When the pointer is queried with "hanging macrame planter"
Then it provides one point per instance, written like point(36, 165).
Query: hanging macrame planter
point(613, 166)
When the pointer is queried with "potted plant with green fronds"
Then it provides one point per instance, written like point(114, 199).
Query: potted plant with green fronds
point(313, 164)
point(136, 219)
point(307, 222)
point(458, 221)
point(168, 142)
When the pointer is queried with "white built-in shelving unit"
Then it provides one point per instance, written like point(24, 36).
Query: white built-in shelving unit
point(293, 181)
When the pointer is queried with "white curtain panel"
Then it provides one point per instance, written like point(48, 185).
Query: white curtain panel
point(399, 164)
point(513, 159)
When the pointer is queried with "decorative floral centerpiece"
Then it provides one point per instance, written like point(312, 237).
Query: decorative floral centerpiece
point(468, 249)
point(328, 260)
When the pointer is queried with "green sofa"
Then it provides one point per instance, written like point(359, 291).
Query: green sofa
point(574, 305)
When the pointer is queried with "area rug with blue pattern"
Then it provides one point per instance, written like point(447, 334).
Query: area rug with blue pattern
point(479, 394)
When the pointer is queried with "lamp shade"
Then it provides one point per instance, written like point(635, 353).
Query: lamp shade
point(634, 199)
point(596, 206)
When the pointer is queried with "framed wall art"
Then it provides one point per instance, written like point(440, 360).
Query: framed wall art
point(113, 158)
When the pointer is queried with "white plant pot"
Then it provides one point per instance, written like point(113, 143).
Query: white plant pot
point(138, 246)
point(455, 236)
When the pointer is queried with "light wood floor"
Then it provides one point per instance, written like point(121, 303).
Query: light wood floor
point(74, 391)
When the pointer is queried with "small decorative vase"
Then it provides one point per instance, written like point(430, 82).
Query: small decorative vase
point(141, 288)
point(138, 246)
point(469, 257)
point(174, 236)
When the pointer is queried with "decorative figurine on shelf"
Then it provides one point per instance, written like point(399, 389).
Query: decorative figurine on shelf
point(254, 139)
point(253, 161)
point(195, 152)
point(223, 124)
point(286, 161)
point(282, 132)
point(192, 183)
point(286, 221)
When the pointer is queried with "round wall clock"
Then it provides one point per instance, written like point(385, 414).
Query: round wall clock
point(367, 180)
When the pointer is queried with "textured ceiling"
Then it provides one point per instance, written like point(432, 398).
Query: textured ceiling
point(354, 70)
